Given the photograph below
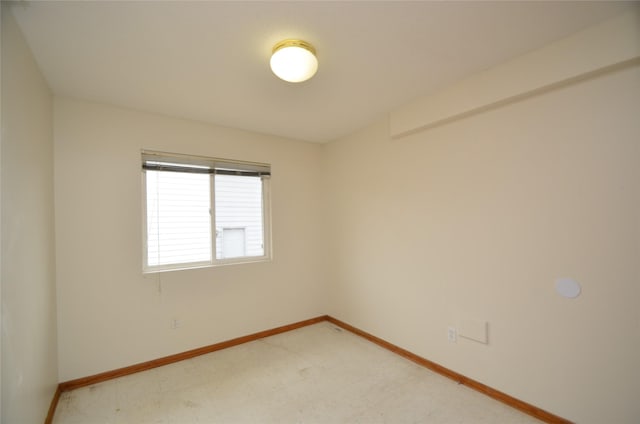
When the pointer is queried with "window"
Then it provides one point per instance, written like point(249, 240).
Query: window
point(203, 211)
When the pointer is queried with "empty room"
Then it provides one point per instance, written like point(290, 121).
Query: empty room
point(320, 212)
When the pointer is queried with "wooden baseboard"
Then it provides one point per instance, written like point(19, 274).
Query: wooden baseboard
point(459, 378)
point(120, 372)
point(53, 406)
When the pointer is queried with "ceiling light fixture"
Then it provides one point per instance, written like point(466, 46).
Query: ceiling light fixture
point(294, 60)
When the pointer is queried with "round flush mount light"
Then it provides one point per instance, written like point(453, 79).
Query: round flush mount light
point(294, 60)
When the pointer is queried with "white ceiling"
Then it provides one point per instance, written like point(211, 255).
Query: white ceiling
point(209, 60)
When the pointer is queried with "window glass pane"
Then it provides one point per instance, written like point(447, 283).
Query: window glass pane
point(178, 218)
point(239, 216)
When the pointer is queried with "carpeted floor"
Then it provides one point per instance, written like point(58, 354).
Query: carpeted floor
point(316, 374)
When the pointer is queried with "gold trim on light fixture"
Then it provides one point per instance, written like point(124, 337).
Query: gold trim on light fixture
point(294, 43)
point(294, 60)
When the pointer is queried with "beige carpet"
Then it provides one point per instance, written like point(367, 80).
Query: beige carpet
point(316, 374)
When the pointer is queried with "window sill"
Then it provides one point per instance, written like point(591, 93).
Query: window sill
point(218, 263)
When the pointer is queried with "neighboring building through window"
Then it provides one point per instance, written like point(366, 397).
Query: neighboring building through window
point(234, 243)
point(203, 211)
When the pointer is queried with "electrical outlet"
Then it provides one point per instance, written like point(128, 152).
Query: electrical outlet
point(175, 323)
point(452, 334)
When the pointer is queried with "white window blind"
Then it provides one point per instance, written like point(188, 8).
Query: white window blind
point(178, 218)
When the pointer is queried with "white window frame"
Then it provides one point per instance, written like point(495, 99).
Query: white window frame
point(213, 163)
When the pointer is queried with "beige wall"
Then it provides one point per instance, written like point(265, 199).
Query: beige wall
point(477, 218)
point(110, 315)
point(29, 353)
